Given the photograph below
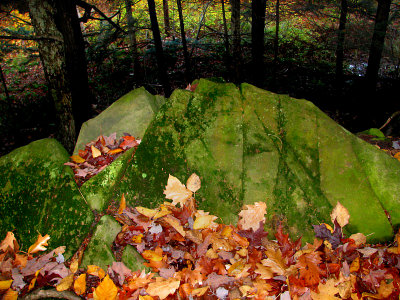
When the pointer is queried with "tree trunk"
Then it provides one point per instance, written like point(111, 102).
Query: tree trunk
point(167, 26)
point(3, 80)
point(67, 22)
point(378, 40)
point(257, 39)
point(51, 49)
point(162, 71)
point(235, 19)
point(340, 44)
point(276, 43)
point(228, 61)
point(132, 39)
point(184, 44)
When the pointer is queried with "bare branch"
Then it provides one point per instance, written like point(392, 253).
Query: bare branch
point(30, 38)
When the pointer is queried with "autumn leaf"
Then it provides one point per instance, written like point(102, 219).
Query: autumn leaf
point(9, 242)
point(40, 244)
point(77, 159)
point(193, 183)
point(340, 214)
point(176, 191)
point(204, 220)
point(115, 151)
point(96, 271)
point(150, 213)
point(5, 284)
point(95, 152)
point(175, 223)
point(80, 284)
point(65, 283)
point(122, 205)
point(129, 142)
point(10, 295)
point(163, 287)
point(106, 290)
point(327, 291)
point(152, 255)
point(308, 266)
point(252, 215)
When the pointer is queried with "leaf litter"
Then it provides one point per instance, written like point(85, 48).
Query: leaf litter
point(193, 257)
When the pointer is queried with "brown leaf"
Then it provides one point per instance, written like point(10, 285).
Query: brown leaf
point(340, 214)
point(163, 287)
point(252, 215)
point(175, 223)
point(9, 242)
point(193, 183)
point(176, 191)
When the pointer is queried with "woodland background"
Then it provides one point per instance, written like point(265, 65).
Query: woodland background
point(64, 61)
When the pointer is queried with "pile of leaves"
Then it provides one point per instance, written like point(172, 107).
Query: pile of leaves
point(98, 154)
point(195, 257)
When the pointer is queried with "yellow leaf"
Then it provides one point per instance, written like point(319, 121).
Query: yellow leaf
point(265, 272)
point(175, 223)
point(122, 206)
point(145, 297)
point(9, 241)
point(39, 245)
point(252, 215)
point(5, 284)
point(10, 295)
point(95, 152)
point(341, 214)
point(397, 156)
point(359, 239)
point(245, 289)
point(327, 291)
point(150, 213)
point(33, 281)
point(355, 265)
point(96, 271)
point(163, 287)
point(151, 255)
point(163, 211)
point(200, 291)
point(74, 265)
point(115, 151)
point(193, 183)
point(77, 159)
point(137, 238)
point(176, 191)
point(80, 284)
point(203, 221)
point(106, 290)
point(65, 283)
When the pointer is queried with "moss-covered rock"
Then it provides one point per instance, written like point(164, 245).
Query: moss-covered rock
point(38, 194)
point(251, 145)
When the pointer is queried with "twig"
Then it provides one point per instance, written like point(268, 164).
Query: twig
point(395, 114)
point(52, 293)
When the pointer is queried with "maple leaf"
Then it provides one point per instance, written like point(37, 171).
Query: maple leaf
point(309, 270)
point(340, 214)
point(327, 291)
point(39, 245)
point(204, 220)
point(252, 215)
point(163, 287)
point(176, 191)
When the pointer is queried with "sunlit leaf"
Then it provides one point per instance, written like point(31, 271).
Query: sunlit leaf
point(252, 215)
point(163, 287)
point(122, 205)
point(80, 284)
point(340, 214)
point(40, 244)
point(9, 242)
point(65, 283)
point(5, 284)
point(193, 183)
point(106, 290)
point(77, 159)
point(95, 152)
point(176, 191)
point(151, 255)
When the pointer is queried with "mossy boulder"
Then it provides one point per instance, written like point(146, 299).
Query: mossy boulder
point(131, 114)
point(249, 145)
point(38, 194)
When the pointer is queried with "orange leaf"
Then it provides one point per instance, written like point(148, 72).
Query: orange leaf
point(96, 271)
point(80, 284)
point(122, 206)
point(204, 220)
point(39, 245)
point(397, 156)
point(77, 159)
point(10, 295)
point(176, 191)
point(163, 287)
point(252, 215)
point(129, 142)
point(106, 290)
point(152, 255)
point(5, 284)
point(115, 151)
point(9, 242)
point(95, 152)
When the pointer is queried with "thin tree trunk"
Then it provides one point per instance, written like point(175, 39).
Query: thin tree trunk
point(226, 40)
point(378, 40)
point(67, 22)
point(162, 71)
point(257, 39)
point(203, 15)
point(184, 44)
point(167, 26)
point(235, 19)
point(132, 39)
point(276, 43)
point(42, 13)
point(340, 44)
point(3, 80)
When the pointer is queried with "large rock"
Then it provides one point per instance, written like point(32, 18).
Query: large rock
point(38, 194)
point(251, 145)
point(131, 114)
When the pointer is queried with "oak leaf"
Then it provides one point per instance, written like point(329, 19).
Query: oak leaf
point(252, 215)
point(176, 191)
point(106, 290)
point(40, 244)
point(163, 287)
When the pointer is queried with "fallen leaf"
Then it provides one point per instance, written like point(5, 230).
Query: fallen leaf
point(96, 271)
point(252, 215)
point(175, 223)
point(176, 191)
point(40, 244)
point(340, 214)
point(193, 183)
point(199, 291)
point(95, 152)
point(5, 284)
point(115, 151)
point(327, 291)
point(150, 213)
point(163, 287)
point(106, 290)
point(204, 220)
point(80, 284)
point(77, 159)
point(122, 205)
point(65, 283)
point(151, 255)
point(10, 295)
point(9, 242)
point(359, 239)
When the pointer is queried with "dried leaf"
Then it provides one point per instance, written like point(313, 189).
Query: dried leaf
point(359, 239)
point(95, 152)
point(9, 242)
point(175, 223)
point(163, 287)
point(80, 284)
point(176, 191)
point(77, 159)
point(152, 255)
point(106, 290)
point(39, 245)
point(5, 284)
point(340, 214)
point(199, 291)
point(96, 271)
point(204, 220)
point(193, 183)
point(150, 213)
point(65, 283)
point(10, 295)
point(327, 291)
point(115, 151)
point(122, 205)
point(252, 215)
